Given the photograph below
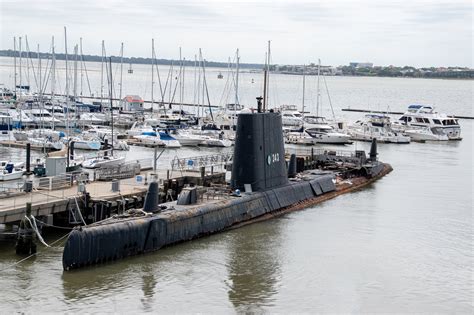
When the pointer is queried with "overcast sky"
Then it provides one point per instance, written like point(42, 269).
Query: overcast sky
point(416, 32)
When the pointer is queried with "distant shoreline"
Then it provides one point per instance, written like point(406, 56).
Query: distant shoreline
point(345, 71)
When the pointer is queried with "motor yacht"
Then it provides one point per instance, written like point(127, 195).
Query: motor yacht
point(319, 129)
point(426, 116)
point(426, 134)
point(376, 127)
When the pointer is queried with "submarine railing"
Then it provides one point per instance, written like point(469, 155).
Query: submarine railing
point(316, 152)
point(196, 162)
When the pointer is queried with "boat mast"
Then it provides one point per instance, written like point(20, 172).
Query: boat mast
point(27, 47)
point(265, 83)
point(196, 109)
point(82, 67)
point(180, 79)
point(102, 73)
point(266, 78)
point(237, 57)
point(67, 83)
point(304, 86)
point(184, 72)
point(121, 70)
point(318, 93)
point(19, 48)
point(53, 76)
point(14, 66)
point(111, 107)
point(268, 74)
point(152, 72)
point(75, 80)
point(40, 88)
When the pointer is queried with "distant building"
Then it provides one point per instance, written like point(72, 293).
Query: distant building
point(361, 64)
point(132, 103)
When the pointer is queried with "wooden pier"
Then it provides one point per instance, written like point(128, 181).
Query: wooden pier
point(22, 145)
point(131, 192)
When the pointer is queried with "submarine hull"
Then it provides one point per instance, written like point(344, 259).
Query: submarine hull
point(117, 238)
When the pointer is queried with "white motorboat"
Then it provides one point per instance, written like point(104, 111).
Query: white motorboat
point(169, 141)
point(103, 161)
point(426, 134)
point(42, 117)
point(17, 165)
point(376, 127)
point(426, 116)
point(11, 175)
point(299, 137)
point(46, 143)
point(86, 144)
point(10, 172)
point(290, 116)
point(212, 136)
point(149, 139)
point(216, 142)
point(90, 119)
point(188, 139)
point(140, 128)
point(319, 129)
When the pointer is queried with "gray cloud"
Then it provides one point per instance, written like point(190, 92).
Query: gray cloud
point(336, 30)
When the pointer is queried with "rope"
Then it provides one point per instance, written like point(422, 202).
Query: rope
point(79, 211)
point(28, 257)
point(35, 228)
point(54, 226)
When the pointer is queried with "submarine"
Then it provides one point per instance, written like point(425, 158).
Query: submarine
point(262, 186)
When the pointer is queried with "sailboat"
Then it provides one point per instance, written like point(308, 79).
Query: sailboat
point(105, 160)
point(317, 125)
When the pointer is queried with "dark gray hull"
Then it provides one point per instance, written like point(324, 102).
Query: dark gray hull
point(117, 238)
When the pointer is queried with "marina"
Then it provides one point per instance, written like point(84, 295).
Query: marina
point(126, 190)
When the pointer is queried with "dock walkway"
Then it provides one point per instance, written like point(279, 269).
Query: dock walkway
point(48, 202)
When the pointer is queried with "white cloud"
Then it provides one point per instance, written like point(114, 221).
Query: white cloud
point(424, 32)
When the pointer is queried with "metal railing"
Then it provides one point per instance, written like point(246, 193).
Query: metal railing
point(316, 152)
point(196, 162)
point(55, 182)
point(122, 171)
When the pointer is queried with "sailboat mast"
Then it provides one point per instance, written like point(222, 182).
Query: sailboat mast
point(121, 70)
point(180, 79)
point(39, 89)
point(318, 95)
point(102, 73)
point(152, 72)
point(268, 73)
point(237, 57)
point(67, 83)
point(53, 76)
point(196, 109)
point(304, 87)
point(75, 79)
point(14, 65)
point(27, 47)
point(82, 67)
point(19, 48)
point(111, 106)
point(265, 83)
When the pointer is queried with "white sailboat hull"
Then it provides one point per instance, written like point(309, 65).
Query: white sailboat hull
point(4, 176)
point(103, 162)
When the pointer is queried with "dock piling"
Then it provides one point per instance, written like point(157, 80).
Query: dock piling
point(28, 158)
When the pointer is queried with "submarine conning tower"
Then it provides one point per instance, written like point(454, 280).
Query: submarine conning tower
point(259, 153)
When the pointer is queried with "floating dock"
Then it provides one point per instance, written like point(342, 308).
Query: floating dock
point(23, 144)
